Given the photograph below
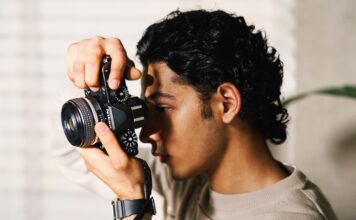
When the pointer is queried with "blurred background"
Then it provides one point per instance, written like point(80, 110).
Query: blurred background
point(316, 40)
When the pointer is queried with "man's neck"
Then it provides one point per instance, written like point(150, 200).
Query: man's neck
point(246, 166)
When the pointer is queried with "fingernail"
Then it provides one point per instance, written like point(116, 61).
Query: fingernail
point(114, 83)
point(101, 128)
point(94, 89)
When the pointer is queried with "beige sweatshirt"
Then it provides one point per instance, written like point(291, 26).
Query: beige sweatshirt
point(293, 198)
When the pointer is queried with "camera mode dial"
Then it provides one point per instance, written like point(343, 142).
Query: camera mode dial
point(128, 140)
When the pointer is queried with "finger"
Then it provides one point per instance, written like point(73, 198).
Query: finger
point(112, 146)
point(91, 155)
point(115, 49)
point(94, 158)
point(132, 73)
point(97, 162)
point(94, 52)
point(78, 72)
point(72, 53)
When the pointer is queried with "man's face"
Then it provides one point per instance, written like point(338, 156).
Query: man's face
point(180, 136)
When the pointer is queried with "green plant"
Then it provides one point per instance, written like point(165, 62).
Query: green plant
point(348, 91)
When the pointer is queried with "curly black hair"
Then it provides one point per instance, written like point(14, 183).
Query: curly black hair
point(208, 48)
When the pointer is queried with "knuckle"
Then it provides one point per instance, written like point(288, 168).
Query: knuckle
point(96, 39)
point(83, 42)
point(114, 41)
point(94, 51)
point(72, 47)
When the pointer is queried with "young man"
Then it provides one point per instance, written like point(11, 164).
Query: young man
point(212, 86)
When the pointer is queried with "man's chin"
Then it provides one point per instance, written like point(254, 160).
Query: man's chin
point(179, 176)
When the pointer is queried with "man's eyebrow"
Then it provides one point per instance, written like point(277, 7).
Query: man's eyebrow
point(157, 95)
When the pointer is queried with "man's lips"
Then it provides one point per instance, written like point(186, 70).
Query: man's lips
point(162, 157)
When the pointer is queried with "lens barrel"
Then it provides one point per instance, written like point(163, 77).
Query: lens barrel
point(78, 120)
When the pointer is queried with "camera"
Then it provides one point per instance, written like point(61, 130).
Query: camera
point(117, 108)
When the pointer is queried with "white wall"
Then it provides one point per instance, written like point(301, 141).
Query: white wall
point(34, 36)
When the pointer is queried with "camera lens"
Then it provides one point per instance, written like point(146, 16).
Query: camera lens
point(78, 120)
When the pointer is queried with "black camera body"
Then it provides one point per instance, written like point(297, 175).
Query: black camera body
point(117, 108)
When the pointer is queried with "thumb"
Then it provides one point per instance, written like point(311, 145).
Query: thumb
point(111, 144)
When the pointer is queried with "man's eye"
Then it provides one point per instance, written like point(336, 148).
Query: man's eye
point(162, 109)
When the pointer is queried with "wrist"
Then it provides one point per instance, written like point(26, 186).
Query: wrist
point(131, 194)
point(138, 207)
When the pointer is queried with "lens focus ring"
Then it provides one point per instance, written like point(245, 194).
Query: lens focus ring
point(88, 119)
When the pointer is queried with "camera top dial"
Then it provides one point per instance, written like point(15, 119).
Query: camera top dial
point(121, 94)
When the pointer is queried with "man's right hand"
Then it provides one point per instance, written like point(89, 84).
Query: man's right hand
point(84, 60)
point(123, 174)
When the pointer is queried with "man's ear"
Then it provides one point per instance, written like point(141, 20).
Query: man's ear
point(230, 101)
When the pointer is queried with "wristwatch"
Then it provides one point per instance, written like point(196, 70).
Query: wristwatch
point(125, 208)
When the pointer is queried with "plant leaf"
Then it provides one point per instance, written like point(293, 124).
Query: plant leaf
point(345, 91)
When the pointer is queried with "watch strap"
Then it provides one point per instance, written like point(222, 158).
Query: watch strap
point(147, 187)
point(125, 208)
